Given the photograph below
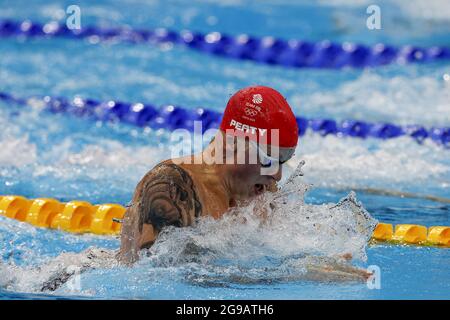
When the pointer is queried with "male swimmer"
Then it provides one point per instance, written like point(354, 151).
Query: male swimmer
point(257, 135)
point(178, 191)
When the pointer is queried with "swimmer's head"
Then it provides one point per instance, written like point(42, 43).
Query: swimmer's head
point(262, 117)
point(258, 112)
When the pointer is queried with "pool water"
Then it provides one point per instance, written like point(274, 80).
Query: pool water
point(60, 156)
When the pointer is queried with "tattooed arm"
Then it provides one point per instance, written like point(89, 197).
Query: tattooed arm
point(166, 196)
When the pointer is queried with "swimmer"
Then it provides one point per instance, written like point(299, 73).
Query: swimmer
point(176, 192)
point(179, 191)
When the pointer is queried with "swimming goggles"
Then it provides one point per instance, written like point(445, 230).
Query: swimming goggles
point(265, 160)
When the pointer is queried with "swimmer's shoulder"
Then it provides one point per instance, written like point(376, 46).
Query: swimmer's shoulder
point(169, 169)
point(162, 168)
point(166, 195)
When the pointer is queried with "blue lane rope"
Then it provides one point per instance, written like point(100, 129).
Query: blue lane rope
point(175, 117)
point(269, 50)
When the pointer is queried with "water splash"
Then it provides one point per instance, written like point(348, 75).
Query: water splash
point(290, 227)
point(293, 241)
point(49, 276)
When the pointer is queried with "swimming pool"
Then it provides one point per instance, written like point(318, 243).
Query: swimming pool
point(60, 156)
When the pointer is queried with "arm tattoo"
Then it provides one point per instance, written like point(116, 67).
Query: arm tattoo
point(167, 196)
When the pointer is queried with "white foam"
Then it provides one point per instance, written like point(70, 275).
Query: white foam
point(426, 9)
point(292, 227)
point(419, 9)
point(17, 151)
point(336, 162)
point(372, 97)
point(108, 155)
point(297, 235)
point(66, 265)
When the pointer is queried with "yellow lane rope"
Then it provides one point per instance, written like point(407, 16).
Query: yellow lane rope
point(83, 217)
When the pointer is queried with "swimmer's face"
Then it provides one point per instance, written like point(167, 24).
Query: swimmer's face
point(256, 178)
point(252, 182)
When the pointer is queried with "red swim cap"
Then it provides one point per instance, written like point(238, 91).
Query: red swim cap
point(255, 111)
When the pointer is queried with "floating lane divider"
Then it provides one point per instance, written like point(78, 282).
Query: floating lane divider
point(268, 50)
point(104, 219)
point(73, 216)
point(175, 117)
point(412, 234)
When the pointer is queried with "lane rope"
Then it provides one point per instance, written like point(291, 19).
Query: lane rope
point(173, 117)
point(105, 219)
point(267, 50)
point(401, 194)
